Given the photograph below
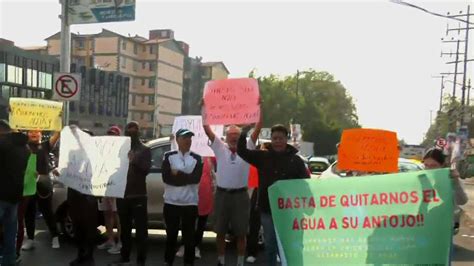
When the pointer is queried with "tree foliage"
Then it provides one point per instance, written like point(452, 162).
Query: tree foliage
point(313, 99)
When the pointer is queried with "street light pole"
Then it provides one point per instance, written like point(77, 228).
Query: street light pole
point(65, 55)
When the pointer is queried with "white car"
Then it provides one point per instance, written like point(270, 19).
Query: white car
point(404, 165)
point(317, 165)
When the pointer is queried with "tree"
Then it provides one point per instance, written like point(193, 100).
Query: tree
point(313, 99)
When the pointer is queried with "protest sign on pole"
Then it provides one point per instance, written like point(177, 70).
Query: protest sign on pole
point(35, 114)
point(389, 219)
point(95, 166)
point(200, 140)
point(368, 150)
point(231, 101)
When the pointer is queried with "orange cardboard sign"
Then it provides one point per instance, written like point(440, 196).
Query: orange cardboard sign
point(231, 101)
point(368, 150)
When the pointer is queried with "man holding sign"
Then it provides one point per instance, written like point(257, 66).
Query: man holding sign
point(231, 200)
point(279, 162)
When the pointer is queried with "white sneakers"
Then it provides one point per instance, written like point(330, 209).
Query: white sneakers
point(251, 259)
point(55, 243)
point(29, 244)
point(107, 245)
point(180, 253)
point(197, 253)
point(115, 249)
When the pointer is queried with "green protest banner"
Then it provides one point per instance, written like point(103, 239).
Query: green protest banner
point(402, 218)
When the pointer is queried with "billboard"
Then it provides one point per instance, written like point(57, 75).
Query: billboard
point(97, 11)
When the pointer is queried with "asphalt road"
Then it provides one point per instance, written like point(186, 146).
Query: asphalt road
point(43, 255)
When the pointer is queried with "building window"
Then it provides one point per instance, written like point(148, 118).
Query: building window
point(152, 66)
point(151, 83)
point(15, 74)
point(123, 62)
point(164, 34)
point(80, 43)
point(135, 67)
point(143, 98)
point(2, 72)
point(151, 117)
point(143, 82)
point(152, 49)
point(144, 48)
point(143, 65)
point(124, 45)
point(151, 100)
point(142, 116)
point(31, 78)
point(135, 48)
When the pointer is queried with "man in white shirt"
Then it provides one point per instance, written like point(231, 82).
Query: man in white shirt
point(182, 170)
point(232, 203)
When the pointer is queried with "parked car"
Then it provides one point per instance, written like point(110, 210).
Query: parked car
point(317, 165)
point(155, 189)
point(404, 165)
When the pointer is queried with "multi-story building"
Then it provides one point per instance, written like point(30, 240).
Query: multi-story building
point(154, 65)
point(196, 74)
point(28, 73)
point(24, 74)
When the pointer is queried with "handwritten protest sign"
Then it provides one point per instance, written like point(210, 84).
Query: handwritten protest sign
point(200, 140)
point(35, 114)
point(372, 220)
point(368, 150)
point(95, 166)
point(231, 101)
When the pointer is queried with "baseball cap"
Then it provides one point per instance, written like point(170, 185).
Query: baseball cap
point(114, 131)
point(184, 132)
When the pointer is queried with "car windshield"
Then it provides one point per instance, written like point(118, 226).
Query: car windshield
point(318, 167)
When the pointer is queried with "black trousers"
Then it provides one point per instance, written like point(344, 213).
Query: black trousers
point(133, 211)
point(174, 216)
point(83, 212)
point(46, 208)
point(254, 226)
point(200, 228)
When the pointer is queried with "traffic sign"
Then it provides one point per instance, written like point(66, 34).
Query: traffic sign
point(67, 86)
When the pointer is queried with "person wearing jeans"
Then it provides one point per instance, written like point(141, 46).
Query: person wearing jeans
point(132, 209)
point(279, 162)
point(14, 155)
point(182, 170)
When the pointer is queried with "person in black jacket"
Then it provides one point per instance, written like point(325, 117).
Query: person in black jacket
point(132, 208)
point(279, 162)
point(84, 216)
point(182, 170)
point(14, 155)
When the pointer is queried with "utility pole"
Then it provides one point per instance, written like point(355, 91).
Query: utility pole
point(441, 94)
point(65, 55)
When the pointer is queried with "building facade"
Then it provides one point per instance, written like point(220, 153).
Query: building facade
point(24, 74)
point(28, 73)
point(155, 66)
point(196, 74)
point(103, 101)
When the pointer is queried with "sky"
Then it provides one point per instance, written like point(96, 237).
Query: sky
point(384, 54)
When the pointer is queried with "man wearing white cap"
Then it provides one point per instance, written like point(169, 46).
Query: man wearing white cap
point(232, 202)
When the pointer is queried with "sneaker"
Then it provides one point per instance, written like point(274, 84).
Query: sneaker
point(180, 252)
point(115, 250)
point(28, 245)
point(55, 243)
point(251, 259)
point(278, 259)
point(197, 253)
point(106, 245)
